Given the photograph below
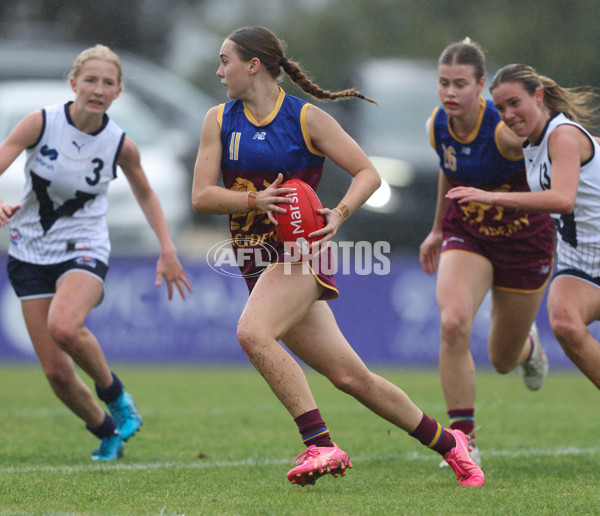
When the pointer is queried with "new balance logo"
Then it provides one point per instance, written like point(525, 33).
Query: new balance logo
point(260, 135)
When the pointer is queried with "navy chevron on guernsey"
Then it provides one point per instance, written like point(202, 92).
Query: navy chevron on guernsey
point(59, 241)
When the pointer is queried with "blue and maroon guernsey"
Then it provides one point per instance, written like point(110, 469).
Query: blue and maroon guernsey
point(479, 161)
point(253, 155)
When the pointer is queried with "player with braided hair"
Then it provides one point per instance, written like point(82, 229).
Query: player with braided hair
point(258, 138)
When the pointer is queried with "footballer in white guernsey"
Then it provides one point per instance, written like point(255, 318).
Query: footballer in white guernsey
point(579, 243)
point(59, 242)
point(562, 159)
point(67, 177)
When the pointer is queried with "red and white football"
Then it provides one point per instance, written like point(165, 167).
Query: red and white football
point(301, 218)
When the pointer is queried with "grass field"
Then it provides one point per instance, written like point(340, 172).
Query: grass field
point(216, 441)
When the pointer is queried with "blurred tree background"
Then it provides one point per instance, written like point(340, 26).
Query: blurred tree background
point(334, 40)
point(330, 37)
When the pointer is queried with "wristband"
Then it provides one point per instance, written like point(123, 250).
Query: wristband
point(251, 200)
point(340, 212)
point(342, 207)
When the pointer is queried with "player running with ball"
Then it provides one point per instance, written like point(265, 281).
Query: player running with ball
point(256, 140)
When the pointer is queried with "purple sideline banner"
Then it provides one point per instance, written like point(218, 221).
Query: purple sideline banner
point(390, 319)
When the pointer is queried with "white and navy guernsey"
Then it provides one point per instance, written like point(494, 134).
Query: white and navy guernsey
point(63, 209)
point(578, 247)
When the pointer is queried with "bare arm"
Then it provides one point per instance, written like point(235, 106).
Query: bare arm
point(429, 250)
point(168, 264)
point(510, 145)
point(208, 196)
point(328, 136)
point(24, 135)
point(568, 147)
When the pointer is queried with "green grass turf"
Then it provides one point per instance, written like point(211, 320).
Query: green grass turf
point(216, 441)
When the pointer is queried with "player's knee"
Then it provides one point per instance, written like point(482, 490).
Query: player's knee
point(244, 337)
point(63, 333)
point(500, 364)
point(58, 378)
point(455, 328)
point(351, 383)
point(248, 336)
point(346, 383)
point(568, 331)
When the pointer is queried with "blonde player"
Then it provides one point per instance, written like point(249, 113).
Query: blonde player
point(477, 248)
point(59, 248)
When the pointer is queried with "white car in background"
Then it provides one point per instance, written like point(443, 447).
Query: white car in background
point(130, 233)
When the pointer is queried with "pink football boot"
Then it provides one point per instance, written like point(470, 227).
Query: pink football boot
point(318, 461)
point(459, 459)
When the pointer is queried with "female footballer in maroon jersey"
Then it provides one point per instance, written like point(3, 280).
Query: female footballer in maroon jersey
point(483, 247)
point(249, 140)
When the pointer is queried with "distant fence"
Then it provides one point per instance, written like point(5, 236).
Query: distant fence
point(390, 320)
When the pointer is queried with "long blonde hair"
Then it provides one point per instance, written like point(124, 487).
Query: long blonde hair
point(101, 52)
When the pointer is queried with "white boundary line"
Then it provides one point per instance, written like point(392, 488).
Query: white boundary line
point(201, 464)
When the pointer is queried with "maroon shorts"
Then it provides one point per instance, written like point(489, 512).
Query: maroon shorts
point(322, 268)
point(522, 265)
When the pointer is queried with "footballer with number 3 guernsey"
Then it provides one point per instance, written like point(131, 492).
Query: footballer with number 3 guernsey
point(258, 139)
point(59, 249)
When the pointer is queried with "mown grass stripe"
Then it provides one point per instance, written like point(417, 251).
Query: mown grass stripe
point(251, 461)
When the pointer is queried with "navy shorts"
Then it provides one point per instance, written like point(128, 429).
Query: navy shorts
point(31, 280)
point(578, 274)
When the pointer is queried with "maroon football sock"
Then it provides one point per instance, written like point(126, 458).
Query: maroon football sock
point(433, 435)
point(312, 429)
point(463, 420)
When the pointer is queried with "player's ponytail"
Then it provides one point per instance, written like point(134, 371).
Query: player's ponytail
point(261, 43)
